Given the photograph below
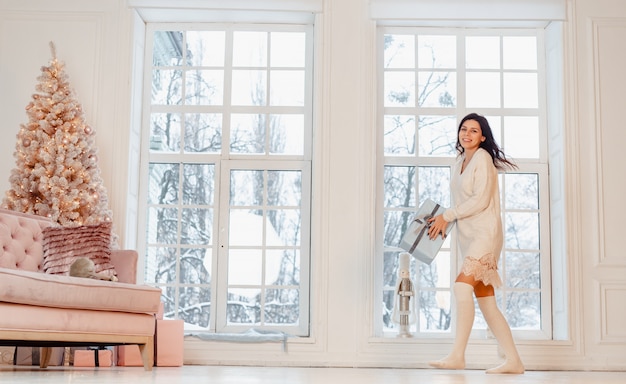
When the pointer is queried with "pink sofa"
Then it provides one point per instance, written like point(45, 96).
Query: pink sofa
point(43, 310)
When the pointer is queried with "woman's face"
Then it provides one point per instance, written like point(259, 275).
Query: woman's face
point(470, 135)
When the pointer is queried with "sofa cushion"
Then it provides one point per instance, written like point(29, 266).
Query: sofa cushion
point(63, 245)
point(20, 240)
point(41, 289)
point(56, 321)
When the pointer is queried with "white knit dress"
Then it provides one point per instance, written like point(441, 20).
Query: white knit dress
point(476, 208)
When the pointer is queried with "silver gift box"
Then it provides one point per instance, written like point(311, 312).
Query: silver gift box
point(416, 241)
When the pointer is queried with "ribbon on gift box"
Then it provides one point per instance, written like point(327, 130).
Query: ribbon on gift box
point(424, 227)
point(96, 351)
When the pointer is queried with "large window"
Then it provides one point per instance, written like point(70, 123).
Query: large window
point(227, 174)
point(430, 79)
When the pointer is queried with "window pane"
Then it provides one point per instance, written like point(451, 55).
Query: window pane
point(204, 87)
point(162, 225)
point(284, 261)
point(245, 228)
point(520, 52)
point(244, 267)
point(399, 186)
point(161, 265)
point(246, 187)
point(434, 184)
point(522, 191)
point(287, 49)
point(287, 88)
point(482, 90)
point(203, 132)
point(199, 183)
point(437, 274)
point(247, 133)
point(196, 226)
point(164, 183)
point(206, 48)
point(243, 306)
point(437, 89)
point(399, 89)
point(282, 306)
point(390, 269)
point(521, 136)
point(437, 135)
point(389, 297)
point(530, 317)
point(396, 223)
point(167, 87)
point(195, 267)
point(167, 48)
point(495, 122)
point(165, 132)
point(287, 134)
point(390, 275)
point(249, 49)
point(286, 188)
point(522, 270)
point(520, 90)
point(249, 87)
point(194, 306)
point(399, 134)
point(169, 295)
point(285, 228)
point(434, 310)
point(521, 230)
point(399, 51)
point(482, 52)
point(436, 51)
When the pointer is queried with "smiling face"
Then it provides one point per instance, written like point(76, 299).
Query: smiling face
point(470, 135)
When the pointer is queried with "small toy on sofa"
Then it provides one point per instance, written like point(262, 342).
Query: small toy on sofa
point(85, 267)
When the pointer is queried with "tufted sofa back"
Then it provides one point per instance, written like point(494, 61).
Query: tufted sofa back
point(21, 240)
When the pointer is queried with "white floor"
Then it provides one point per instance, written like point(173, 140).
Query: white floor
point(255, 375)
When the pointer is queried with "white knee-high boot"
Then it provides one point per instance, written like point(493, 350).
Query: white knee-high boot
point(501, 330)
point(463, 295)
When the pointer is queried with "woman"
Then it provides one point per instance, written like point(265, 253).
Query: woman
point(476, 208)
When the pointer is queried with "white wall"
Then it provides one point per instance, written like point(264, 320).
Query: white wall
point(95, 39)
point(599, 129)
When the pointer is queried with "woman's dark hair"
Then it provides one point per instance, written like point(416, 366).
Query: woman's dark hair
point(499, 158)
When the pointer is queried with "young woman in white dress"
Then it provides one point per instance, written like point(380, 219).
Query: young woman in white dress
point(476, 209)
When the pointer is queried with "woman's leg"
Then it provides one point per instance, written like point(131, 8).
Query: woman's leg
point(501, 330)
point(464, 321)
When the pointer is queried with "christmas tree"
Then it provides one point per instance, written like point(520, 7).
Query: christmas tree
point(57, 173)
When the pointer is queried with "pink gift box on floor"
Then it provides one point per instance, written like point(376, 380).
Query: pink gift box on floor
point(31, 356)
point(169, 343)
point(129, 356)
point(168, 347)
point(87, 358)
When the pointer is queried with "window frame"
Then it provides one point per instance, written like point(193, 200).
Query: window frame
point(539, 166)
point(223, 161)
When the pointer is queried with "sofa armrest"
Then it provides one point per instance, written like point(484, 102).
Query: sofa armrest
point(125, 263)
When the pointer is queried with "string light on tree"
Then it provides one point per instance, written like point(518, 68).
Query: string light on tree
point(56, 173)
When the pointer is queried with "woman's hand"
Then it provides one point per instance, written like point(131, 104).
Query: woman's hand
point(437, 227)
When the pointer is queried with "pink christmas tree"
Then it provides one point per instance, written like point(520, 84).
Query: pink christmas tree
point(57, 172)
